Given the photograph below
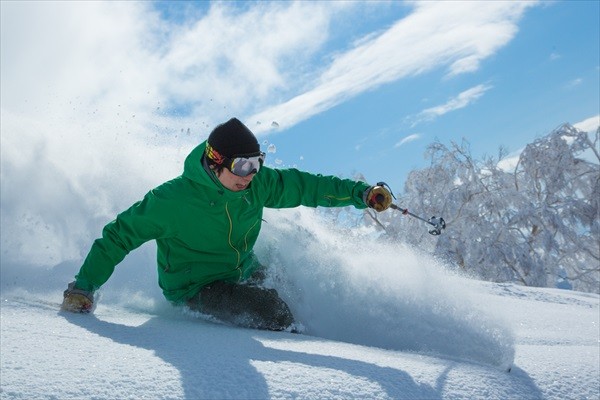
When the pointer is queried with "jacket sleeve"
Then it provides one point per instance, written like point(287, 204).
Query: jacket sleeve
point(142, 222)
point(288, 188)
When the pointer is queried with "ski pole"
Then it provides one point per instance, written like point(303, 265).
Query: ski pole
point(438, 223)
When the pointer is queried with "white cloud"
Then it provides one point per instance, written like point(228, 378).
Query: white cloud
point(574, 82)
point(123, 54)
point(589, 125)
point(555, 56)
point(462, 100)
point(407, 139)
point(455, 35)
point(121, 57)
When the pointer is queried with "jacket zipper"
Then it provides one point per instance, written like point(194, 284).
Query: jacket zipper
point(237, 264)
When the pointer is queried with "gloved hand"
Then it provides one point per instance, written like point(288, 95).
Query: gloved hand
point(378, 197)
point(77, 300)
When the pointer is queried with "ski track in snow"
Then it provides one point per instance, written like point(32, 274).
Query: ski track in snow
point(382, 322)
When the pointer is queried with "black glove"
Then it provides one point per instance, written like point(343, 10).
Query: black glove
point(77, 300)
point(378, 197)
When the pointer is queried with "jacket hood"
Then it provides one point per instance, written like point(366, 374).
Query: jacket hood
point(192, 168)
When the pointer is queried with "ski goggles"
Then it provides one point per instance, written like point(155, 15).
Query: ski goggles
point(244, 166)
point(241, 166)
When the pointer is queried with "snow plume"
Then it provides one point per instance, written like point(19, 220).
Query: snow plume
point(345, 285)
point(62, 180)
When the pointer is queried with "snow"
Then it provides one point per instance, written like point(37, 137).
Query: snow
point(382, 321)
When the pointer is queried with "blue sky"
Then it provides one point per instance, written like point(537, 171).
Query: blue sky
point(546, 74)
point(352, 86)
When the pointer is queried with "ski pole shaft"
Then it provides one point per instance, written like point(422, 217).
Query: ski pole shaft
point(438, 223)
point(405, 211)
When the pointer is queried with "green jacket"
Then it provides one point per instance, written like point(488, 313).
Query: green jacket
point(203, 231)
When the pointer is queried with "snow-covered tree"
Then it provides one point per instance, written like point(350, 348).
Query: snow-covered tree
point(537, 225)
point(563, 193)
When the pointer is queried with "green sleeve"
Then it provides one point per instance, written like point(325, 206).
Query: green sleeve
point(142, 222)
point(288, 188)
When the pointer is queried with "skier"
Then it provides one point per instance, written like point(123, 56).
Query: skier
point(206, 222)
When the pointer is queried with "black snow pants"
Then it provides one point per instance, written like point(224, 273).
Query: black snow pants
point(247, 305)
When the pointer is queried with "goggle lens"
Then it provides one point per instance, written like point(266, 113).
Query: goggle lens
point(244, 166)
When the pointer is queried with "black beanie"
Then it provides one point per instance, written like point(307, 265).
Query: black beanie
point(233, 138)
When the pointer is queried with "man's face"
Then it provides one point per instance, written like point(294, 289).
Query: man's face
point(233, 182)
